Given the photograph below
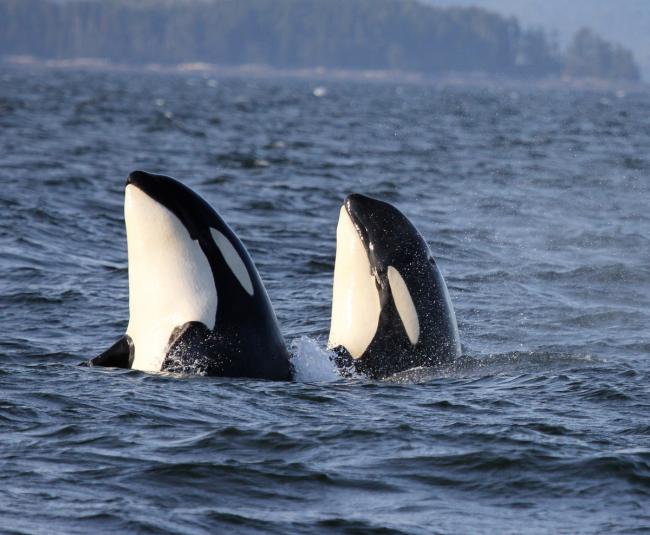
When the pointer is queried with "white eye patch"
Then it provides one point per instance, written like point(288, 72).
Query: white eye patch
point(404, 305)
point(234, 261)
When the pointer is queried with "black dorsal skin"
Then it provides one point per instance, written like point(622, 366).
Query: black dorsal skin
point(246, 339)
point(390, 239)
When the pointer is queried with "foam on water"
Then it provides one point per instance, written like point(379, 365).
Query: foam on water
point(311, 362)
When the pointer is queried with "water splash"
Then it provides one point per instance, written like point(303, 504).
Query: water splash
point(312, 363)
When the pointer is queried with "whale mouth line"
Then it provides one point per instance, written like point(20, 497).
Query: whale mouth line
point(359, 226)
point(173, 196)
point(139, 181)
point(142, 181)
point(138, 176)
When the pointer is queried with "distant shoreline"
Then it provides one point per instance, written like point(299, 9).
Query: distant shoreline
point(327, 74)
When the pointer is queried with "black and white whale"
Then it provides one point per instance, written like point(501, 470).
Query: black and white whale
point(196, 302)
point(391, 310)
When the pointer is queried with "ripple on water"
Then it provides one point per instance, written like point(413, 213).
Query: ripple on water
point(539, 221)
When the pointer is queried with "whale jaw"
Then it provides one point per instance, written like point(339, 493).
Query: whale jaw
point(355, 301)
point(170, 279)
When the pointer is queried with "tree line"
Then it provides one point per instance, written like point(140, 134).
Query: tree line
point(346, 34)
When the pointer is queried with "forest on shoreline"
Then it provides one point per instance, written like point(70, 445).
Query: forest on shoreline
point(397, 35)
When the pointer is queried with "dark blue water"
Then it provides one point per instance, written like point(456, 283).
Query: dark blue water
point(536, 205)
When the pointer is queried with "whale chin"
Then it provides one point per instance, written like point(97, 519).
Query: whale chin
point(170, 279)
point(355, 300)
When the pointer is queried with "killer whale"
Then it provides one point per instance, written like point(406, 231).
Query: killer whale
point(391, 309)
point(196, 302)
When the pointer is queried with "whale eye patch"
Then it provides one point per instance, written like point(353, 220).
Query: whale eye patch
point(404, 304)
point(233, 260)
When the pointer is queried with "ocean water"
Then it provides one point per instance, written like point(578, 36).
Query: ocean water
point(536, 207)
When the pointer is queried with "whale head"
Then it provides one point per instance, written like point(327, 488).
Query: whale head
point(171, 282)
point(388, 294)
point(185, 266)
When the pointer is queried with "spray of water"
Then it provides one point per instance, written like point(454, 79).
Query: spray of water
point(312, 362)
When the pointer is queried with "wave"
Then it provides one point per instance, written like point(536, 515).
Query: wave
point(313, 364)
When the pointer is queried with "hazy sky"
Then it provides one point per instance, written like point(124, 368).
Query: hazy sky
point(623, 21)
